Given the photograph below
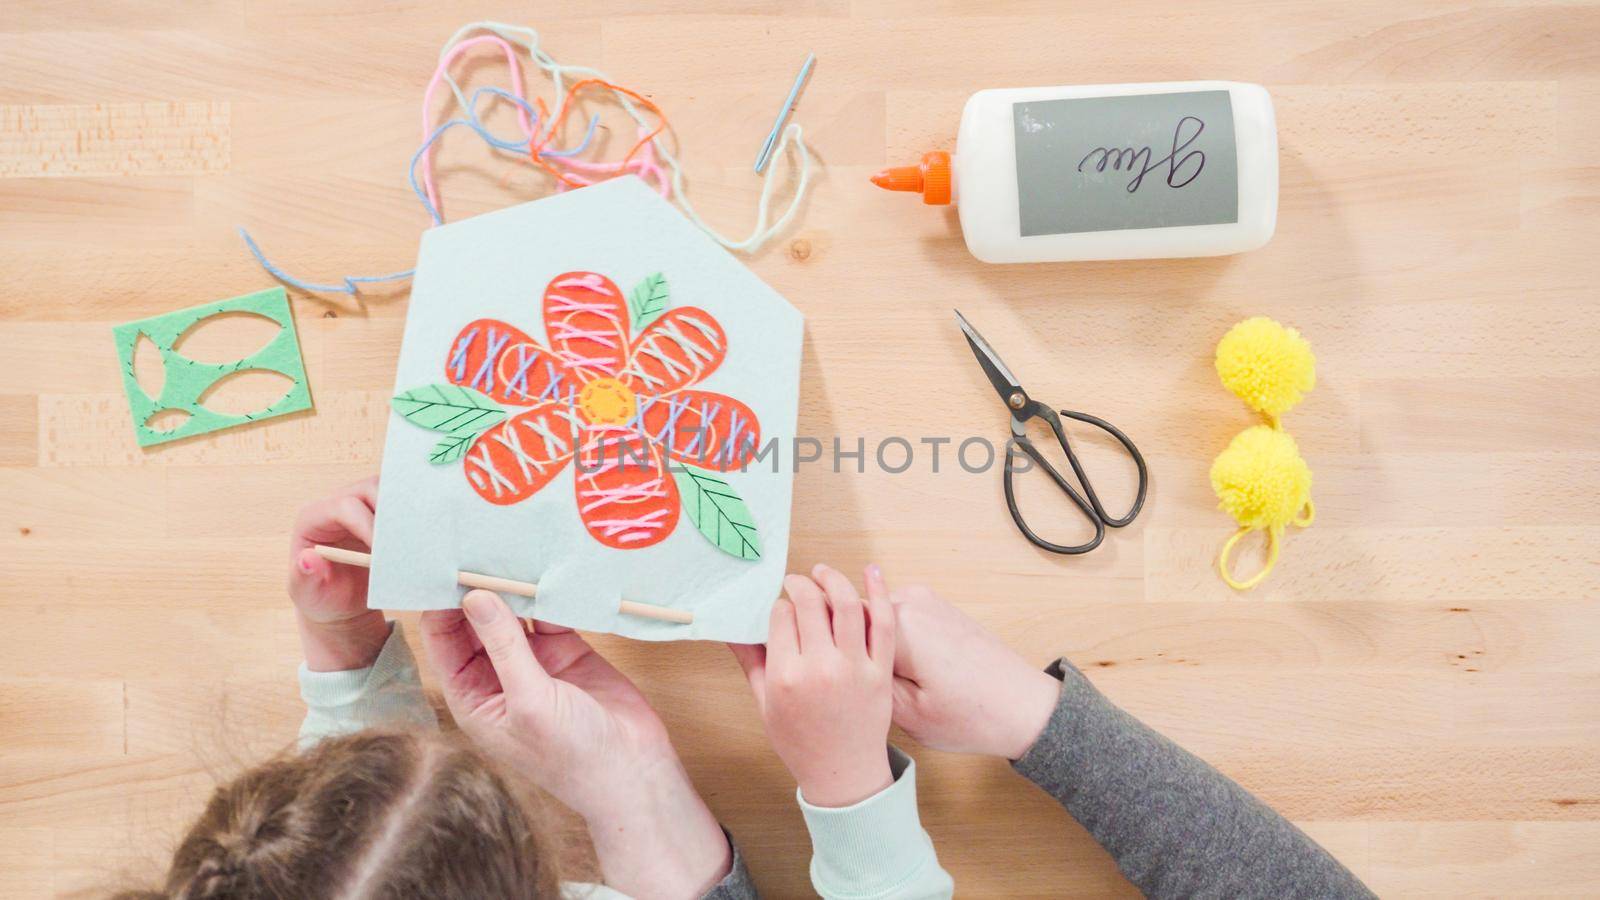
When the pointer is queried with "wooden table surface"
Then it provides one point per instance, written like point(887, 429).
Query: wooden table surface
point(1417, 685)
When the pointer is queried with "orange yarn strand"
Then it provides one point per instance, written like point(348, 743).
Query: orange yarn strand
point(565, 108)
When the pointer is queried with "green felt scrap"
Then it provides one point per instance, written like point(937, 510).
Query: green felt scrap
point(718, 511)
point(186, 380)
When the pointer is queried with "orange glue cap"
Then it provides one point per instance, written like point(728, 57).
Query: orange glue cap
point(930, 178)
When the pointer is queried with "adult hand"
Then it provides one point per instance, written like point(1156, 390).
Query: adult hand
point(822, 684)
point(337, 631)
point(548, 706)
point(959, 688)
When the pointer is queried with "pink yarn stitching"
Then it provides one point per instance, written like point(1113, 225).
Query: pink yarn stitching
point(618, 436)
point(562, 329)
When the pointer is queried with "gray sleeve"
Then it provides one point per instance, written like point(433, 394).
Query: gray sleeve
point(736, 885)
point(1175, 826)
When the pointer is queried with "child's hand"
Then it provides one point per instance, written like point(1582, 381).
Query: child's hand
point(822, 684)
point(337, 630)
point(959, 688)
point(548, 706)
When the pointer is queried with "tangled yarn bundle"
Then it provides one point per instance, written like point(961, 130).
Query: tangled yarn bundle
point(650, 157)
point(1260, 479)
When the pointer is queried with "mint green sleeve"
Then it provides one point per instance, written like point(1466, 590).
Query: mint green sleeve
point(876, 848)
point(387, 693)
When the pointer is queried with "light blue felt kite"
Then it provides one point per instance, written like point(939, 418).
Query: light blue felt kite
point(594, 397)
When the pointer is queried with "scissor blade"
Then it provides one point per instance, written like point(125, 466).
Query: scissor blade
point(1005, 384)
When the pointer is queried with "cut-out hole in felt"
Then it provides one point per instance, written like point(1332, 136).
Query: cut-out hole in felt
point(246, 391)
point(226, 337)
point(166, 420)
point(164, 367)
point(148, 369)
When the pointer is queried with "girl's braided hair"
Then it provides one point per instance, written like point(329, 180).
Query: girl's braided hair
point(371, 815)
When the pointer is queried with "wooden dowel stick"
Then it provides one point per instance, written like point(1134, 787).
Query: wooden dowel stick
point(498, 585)
point(341, 555)
point(651, 611)
point(508, 586)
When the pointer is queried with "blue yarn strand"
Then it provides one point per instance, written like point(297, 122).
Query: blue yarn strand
point(475, 125)
point(582, 145)
point(351, 282)
point(411, 172)
point(501, 143)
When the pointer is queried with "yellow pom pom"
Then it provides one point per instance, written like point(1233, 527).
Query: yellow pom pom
point(1266, 365)
point(1260, 479)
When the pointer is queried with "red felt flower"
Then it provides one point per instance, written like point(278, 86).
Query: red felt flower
point(622, 404)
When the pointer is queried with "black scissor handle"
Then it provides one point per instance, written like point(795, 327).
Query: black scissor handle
point(1091, 508)
point(1016, 514)
point(1138, 460)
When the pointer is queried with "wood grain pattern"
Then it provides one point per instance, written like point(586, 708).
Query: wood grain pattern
point(113, 139)
point(1417, 684)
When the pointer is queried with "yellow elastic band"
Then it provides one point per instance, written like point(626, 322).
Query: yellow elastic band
point(1227, 550)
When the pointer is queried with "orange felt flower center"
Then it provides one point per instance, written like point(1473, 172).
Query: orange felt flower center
point(607, 401)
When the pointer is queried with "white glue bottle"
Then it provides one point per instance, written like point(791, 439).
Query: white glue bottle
point(1110, 171)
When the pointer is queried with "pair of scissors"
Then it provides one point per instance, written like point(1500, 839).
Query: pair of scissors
point(1024, 409)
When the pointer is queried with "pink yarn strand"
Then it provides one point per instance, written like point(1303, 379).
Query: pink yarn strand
point(433, 84)
point(644, 164)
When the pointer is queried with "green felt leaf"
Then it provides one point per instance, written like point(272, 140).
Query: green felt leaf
point(454, 446)
point(450, 408)
point(718, 511)
point(647, 300)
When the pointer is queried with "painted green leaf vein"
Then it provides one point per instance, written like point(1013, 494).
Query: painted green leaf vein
point(718, 512)
point(450, 408)
point(648, 299)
